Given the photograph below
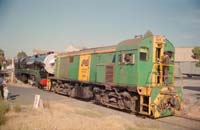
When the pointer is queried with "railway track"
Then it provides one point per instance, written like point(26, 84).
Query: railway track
point(187, 117)
point(183, 122)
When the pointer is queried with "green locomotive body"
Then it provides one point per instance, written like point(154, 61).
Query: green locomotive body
point(130, 76)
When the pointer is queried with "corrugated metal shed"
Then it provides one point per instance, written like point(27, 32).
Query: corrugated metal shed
point(183, 54)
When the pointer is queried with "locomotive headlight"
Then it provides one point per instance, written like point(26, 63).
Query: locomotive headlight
point(175, 102)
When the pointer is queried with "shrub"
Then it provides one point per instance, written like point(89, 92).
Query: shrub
point(4, 107)
point(2, 118)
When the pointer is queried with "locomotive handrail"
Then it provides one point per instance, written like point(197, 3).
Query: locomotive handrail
point(159, 73)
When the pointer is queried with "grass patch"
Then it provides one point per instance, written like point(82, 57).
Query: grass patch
point(2, 118)
point(17, 108)
point(4, 107)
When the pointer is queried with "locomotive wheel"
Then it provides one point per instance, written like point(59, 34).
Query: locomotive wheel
point(104, 99)
point(121, 104)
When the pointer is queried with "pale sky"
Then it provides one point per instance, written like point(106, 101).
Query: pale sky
point(55, 24)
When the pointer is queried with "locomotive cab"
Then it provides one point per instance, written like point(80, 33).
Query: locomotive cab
point(147, 71)
point(158, 96)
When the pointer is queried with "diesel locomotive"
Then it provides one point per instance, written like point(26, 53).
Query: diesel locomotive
point(135, 75)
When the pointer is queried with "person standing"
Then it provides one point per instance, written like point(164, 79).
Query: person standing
point(1, 86)
point(166, 62)
point(5, 92)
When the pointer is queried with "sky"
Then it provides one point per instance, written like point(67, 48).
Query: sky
point(55, 24)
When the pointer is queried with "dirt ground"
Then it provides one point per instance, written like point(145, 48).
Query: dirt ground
point(63, 116)
point(63, 113)
point(191, 96)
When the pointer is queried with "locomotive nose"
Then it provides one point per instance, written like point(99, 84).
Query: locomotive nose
point(167, 102)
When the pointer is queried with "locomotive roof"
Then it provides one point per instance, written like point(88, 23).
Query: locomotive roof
point(124, 45)
point(106, 49)
point(129, 44)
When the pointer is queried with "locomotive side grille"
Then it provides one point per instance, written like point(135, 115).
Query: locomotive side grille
point(109, 73)
point(64, 67)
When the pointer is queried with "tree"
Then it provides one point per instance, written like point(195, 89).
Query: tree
point(196, 55)
point(21, 54)
point(2, 57)
point(148, 34)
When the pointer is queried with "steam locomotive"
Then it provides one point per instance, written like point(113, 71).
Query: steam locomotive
point(35, 69)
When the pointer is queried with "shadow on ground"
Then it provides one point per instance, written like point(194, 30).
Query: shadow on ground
point(13, 97)
point(192, 78)
point(194, 88)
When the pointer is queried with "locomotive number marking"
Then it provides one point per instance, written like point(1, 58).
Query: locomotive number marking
point(84, 68)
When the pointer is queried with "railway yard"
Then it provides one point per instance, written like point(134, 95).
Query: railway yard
point(99, 65)
point(80, 115)
point(124, 87)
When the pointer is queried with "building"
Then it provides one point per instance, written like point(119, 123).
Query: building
point(184, 63)
point(183, 54)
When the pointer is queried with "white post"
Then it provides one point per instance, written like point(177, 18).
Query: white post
point(36, 101)
point(13, 71)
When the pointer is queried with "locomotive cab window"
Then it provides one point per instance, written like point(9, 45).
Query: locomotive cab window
point(171, 56)
point(128, 58)
point(144, 54)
